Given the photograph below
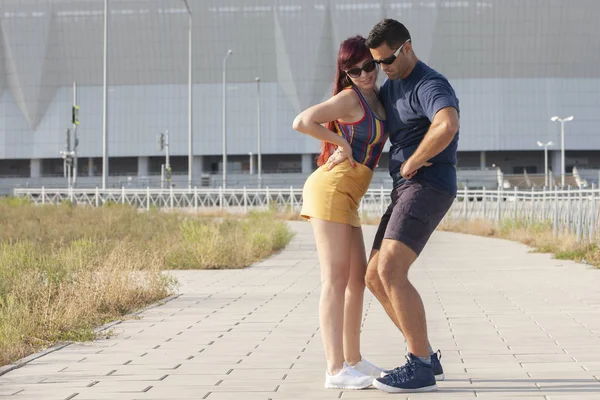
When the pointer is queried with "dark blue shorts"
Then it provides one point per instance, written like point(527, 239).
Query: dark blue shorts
point(416, 210)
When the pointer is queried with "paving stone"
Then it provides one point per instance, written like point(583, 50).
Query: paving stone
point(511, 324)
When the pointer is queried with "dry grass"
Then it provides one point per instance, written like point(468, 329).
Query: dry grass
point(54, 294)
point(538, 236)
point(230, 242)
point(370, 220)
point(65, 270)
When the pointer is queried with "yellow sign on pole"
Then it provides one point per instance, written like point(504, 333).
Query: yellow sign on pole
point(75, 115)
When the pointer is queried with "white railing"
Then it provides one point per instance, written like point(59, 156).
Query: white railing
point(567, 211)
point(231, 200)
point(374, 202)
point(574, 211)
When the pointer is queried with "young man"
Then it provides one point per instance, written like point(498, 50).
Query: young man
point(423, 121)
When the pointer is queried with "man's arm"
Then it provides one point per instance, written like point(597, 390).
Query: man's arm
point(440, 105)
point(440, 134)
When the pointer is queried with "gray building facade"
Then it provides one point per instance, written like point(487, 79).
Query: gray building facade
point(514, 65)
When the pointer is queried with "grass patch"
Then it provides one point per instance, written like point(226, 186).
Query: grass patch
point(538, 236)
point(228, 243)
point(65, 270)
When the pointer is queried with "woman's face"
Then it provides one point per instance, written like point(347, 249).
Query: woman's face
point(364, 74)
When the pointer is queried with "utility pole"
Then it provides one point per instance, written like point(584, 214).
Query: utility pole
point(67, 156)
point(75, 123)
point(165, 169)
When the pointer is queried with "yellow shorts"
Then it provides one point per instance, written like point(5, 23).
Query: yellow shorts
point(335, 195)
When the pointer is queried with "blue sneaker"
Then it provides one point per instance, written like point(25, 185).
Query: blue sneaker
point(436, 365)
point(438, 371)
point(414, 376)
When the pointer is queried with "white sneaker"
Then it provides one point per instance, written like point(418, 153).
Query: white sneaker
point(368, 368)
point(348, 378)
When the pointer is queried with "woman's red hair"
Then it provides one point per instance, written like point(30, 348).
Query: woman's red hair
point(352, 51)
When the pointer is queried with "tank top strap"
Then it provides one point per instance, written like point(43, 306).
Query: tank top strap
point(363, 101)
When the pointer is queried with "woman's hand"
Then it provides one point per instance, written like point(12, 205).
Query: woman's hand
point(340, 155)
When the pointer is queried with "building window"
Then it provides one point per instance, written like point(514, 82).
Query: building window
point(14, 168)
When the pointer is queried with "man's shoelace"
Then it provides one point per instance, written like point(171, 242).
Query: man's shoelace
point(404, 373)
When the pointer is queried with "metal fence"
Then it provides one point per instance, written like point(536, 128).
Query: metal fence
point(568, 211)
point(231, 200)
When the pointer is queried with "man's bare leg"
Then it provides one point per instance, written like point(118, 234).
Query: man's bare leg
point(395, 259)
point(375, 285)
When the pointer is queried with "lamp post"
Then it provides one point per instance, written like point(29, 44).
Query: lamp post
point(545, 146)
point(105, 100)
point(562, 144)
point(190, 118)
point(258, 132)
point(229, 52)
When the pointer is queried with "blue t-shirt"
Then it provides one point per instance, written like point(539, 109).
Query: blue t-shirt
point(410, 105)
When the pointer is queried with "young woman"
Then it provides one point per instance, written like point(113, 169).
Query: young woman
point(355, 126)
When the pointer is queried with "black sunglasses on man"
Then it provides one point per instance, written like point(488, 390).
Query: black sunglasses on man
point(389, 60)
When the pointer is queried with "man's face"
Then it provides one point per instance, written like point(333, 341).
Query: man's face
point(393, 61)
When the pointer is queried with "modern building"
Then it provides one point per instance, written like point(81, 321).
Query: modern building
point(514, 65)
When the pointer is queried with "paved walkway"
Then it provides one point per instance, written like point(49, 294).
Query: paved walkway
point(511, 324)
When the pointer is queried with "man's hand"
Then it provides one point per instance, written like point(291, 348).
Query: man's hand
point(408, 169)
point(339, 156)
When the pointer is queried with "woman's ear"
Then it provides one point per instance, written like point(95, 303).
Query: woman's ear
point(347, 81)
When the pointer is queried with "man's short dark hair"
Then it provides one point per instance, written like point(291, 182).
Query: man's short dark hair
point(390, 32)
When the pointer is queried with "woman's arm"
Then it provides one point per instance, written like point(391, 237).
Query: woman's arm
point(340, 106)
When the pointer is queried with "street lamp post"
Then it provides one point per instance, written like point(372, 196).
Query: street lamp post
point(545, 146)
point(105, 100)
point(258, 132)
point(562, 145)
point(190, 119)
point(229, 52)
point(75, 122)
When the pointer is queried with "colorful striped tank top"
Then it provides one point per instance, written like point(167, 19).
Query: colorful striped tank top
point(366, 137)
